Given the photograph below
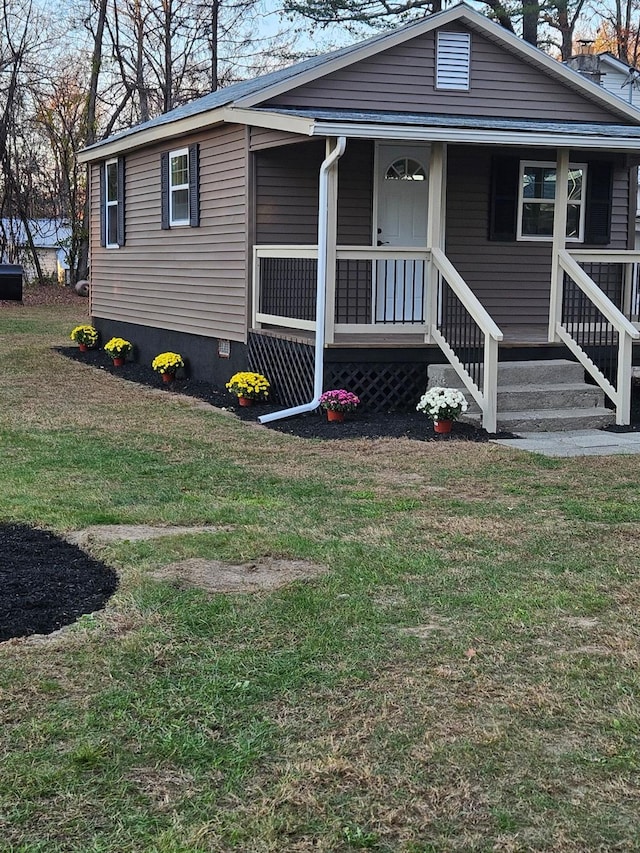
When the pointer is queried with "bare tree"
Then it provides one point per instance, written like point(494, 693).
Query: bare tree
point(20, 32)
point(619, 31)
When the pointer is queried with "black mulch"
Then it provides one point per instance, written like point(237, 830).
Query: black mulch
point(47, 582)
point(358, 424)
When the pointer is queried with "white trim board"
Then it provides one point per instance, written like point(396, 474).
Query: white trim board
point(415, 133)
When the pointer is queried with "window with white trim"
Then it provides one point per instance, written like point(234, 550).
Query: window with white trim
point(453, 61)
point(111, 202)
point(179, 187)
point(537, 201)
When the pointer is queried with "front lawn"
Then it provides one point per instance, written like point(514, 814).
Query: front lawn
point(463, 677)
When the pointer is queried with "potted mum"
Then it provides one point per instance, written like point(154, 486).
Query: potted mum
point(337, 402)
point(118, 349)
point(443, 406)
point(248, 386)
point(166, 365)
point(85, 336)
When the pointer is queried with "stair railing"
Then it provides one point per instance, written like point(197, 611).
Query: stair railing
point(597, 333)
point(466, 334)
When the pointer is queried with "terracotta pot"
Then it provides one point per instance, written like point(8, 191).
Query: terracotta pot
point(118, 361)
point(83, 347)
point(168, 377)
point(443, 427)
point(335, 416)
point(245, 401)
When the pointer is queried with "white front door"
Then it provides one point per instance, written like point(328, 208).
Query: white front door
point(402, 184)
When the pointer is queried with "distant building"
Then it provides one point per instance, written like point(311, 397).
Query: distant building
point(49, 238)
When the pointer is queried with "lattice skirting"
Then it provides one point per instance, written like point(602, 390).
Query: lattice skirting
point(288, 365)
point(382, 386)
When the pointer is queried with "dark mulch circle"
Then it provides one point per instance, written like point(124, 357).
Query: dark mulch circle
point(47, 582)
point(358, 424)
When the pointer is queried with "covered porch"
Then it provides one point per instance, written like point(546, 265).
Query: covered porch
point(414, 297)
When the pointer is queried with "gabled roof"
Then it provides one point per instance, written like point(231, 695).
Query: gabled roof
point(238, 101)
point(618, 64)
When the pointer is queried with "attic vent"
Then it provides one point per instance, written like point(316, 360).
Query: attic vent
point(453, 61)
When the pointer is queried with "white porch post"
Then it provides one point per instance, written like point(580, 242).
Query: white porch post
point(436, 221)
point(559, 241)
point(332, 238)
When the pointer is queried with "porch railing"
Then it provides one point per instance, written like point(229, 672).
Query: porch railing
point(284, 286)
point(374, 288)
point(467, 335)
point(387, 290)
point(594, 327)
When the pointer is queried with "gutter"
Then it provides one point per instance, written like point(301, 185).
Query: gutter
point(321, 289)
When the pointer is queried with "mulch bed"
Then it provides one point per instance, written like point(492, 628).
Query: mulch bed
point(358, 424)
point(48, 294)
point(47, 582)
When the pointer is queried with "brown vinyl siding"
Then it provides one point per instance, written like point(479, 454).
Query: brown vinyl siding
point(511, 279)
point(187, 279)
point(262, 137)
point(402, 78)
point(620, 210)
point(355, 194)
point(287, 194)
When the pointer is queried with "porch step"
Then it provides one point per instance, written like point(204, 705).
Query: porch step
point(537, 396)
point(516, 373)
point(573, 395)
point(555, 420)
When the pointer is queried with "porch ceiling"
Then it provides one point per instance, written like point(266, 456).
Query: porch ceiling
point(465, 129)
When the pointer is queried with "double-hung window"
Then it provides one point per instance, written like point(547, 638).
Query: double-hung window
point(537, 201)
point(112, 203)
point(180, 187)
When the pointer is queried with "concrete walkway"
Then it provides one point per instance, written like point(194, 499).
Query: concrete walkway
point(583, 442)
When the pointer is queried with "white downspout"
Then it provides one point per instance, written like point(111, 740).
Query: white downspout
point(321, 288)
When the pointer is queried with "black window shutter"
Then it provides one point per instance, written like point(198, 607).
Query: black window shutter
point(103, 204)
point(597, 229)
point(164, 191)
point(121, 202)
point(194, 185)
point(503, 209)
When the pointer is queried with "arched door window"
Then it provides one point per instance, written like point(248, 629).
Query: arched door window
point(405, 169)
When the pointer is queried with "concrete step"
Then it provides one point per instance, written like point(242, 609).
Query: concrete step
point(537, 396)
point(571, 396)
point(554, 371)
point(556, 420)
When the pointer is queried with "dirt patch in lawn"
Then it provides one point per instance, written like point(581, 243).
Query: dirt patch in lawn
point(216, 576)
point(105, 534)
point(47, 582)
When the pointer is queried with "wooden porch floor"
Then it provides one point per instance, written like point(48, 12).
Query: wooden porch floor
point(528, 335)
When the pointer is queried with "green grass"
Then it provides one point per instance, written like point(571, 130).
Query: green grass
point(463, 677)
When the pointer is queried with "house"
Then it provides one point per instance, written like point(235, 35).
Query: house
point(441, 193)
point(49, 237)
